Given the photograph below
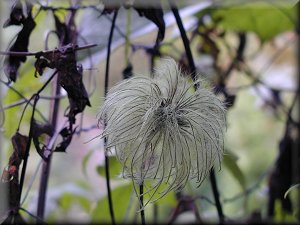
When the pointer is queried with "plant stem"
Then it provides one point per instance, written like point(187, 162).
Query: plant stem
point(47, 164)
point(127, 41)
point(142, 204)
point(193, 71)
point(36, 97)
point(184, 38)
point(110, 203)
point(23, 172)
point(216, 194)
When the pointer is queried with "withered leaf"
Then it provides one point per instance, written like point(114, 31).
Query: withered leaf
point(69, 75)
point(40, 65)
point(10, 174)
point(156, 15)
point(39, 130)
point(67, 135)
point(70, 78)
point(16, 15)
point(62, 31)
point(13, 62)
point(19, 143)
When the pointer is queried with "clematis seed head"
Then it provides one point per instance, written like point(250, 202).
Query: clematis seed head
point(162, 129)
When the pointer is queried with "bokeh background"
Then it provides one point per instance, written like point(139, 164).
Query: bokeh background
point(263, 85)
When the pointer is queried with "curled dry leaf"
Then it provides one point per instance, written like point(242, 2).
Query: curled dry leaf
point(38, 131)
point(16, 15)
point(10, 175)
point(67, 135)
point(155, 15)
point(13, 62)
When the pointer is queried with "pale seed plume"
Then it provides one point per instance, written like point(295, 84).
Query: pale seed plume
point(162, 129)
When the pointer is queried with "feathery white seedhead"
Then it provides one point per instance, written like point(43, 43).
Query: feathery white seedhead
point(162, 129)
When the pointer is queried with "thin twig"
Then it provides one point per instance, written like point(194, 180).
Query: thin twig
point(184, 38)
point(31, 181)
point(40, 220)
point(39, 53)
point(26, 155)
point(15, 104)
point(142, 210)
point(47, 164)
point(193, 74)
point(71, 8)
point(213, 182)
point(110, 202)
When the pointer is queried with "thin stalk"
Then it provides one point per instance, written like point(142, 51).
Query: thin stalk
point(142, 204)
point(47, 164)
point(184, 38)
point(127, 41)
point(216, 194)
point(23, 172)
point(36, 98)
point(155, 213)
point(110, 202)
point(193, 74)
point(40, 53)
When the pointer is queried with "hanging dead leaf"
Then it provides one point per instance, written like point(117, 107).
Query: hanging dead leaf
point(155, 14)
point(16, 15)
point(67, 135)
point(40, 132)
point(13, 62)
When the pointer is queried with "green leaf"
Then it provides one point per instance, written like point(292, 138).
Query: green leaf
point(67, 200)
point(281, 216)
point(115, 168)
point(291, 188)
point(265, 19)
point(120, 198)
point(230, 161)
point(85, 161)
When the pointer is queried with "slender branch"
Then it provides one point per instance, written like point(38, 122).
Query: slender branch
point(36, 98)
point(76, 48)
point(127, 40)
point(110, 202)
point(31, 181)
point(193, 74)
point(155, 213)
point(38, 94)
point(213, 182)
point(17, 103)
point(71, 8)
point(142, 204)
point(184, 38)
point(47, 164)
point(23, 172)
point(40, 220)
